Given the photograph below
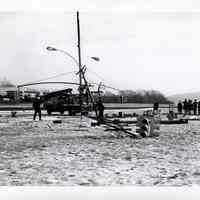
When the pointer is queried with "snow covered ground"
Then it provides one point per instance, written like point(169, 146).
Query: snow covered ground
point(73, 153)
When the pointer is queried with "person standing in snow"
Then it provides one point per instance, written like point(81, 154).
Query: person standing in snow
point(185, 107)
point(199, 108)
point(155, 107)
point(100, 108)
point(195, 105)
point(180, 107)
point(36, 107)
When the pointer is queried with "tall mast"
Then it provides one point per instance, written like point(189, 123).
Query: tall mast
point(79, 61)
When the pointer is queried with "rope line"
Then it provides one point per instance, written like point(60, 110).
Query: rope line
point(51, 77)
point(100, 77)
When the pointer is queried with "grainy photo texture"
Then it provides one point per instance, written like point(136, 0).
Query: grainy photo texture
point(99, 99)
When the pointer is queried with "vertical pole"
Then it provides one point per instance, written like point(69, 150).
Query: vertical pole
point(79, 61)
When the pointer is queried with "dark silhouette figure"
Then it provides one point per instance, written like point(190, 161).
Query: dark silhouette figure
point(190, 106)
point(180, 107)
point(155, 107)
point(121, 99)
point(36, 107)
point(199, 108)
point(195, 105)
point(100, 108)
point(185, 107)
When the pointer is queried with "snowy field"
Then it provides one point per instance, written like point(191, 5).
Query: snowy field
point(39, 153)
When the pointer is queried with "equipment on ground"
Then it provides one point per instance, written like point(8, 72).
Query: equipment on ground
point(63, 100)
point(171, 115)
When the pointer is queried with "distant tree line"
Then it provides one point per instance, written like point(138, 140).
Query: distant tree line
point(130, 96)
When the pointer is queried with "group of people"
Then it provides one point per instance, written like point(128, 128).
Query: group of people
point(189, 107)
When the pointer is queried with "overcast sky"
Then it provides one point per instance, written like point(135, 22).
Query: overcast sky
point(152, 47)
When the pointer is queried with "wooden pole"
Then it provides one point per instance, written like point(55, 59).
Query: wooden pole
point(79, 62)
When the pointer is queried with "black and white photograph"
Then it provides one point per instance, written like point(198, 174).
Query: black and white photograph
point(101, 97)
